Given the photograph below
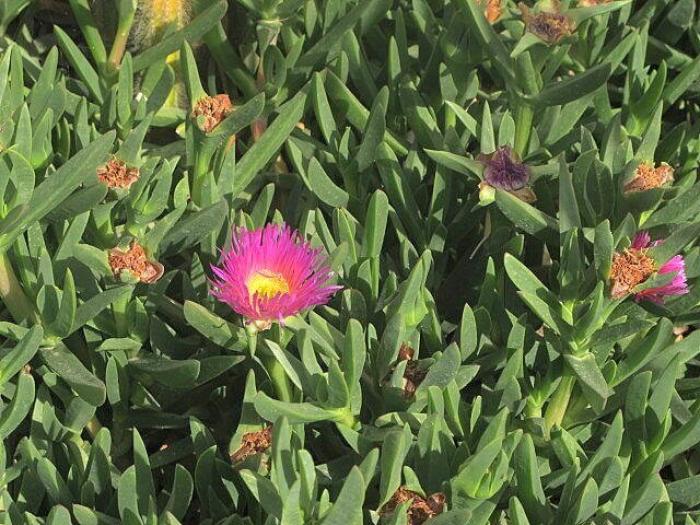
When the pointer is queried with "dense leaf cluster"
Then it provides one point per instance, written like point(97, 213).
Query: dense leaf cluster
point(479, 366)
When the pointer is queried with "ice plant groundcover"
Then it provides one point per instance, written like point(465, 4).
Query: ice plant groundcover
point(346, 262)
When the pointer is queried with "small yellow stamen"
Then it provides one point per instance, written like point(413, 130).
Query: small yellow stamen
point(267, 284)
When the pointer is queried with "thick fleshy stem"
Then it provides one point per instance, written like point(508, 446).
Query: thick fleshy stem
point(126, 10)
point(274, 369)
point(12, 294)
point(524, 112)
point(119, 309)
point(556, 410)
point(279, 378)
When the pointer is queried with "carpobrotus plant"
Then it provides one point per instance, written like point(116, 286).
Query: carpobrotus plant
point(349, 262)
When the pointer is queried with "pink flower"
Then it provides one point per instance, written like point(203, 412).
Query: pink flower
point(676, 264)
point(272, 273)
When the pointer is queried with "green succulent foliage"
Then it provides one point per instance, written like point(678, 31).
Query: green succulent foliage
point(532, 396)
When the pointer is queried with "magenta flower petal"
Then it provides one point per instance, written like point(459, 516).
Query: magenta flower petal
point(641, 240)
point(272, 273)
point(676, 265)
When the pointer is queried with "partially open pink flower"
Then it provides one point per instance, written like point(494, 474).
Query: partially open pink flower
point(676, 264)
point(272, 273)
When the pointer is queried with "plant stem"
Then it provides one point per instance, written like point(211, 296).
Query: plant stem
point(559, 402)
point(12, 294)
point(523, 126)
point(279, 378)
point(201, 168)
point(126, 20)
point(120, 318)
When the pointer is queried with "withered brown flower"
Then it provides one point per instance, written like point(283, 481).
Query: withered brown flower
point(214, 110)
point(647, 177)
point(253, 443)
point(420, 510)
point(549, 26)
point(135, 261)
point(629, 268)
point(117, 175)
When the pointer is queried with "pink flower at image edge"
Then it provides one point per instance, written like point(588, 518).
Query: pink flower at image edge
point(676, 264)
point(272, 273)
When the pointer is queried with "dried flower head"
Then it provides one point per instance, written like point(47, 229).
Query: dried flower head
point(135, 261)
point(214, 110)
point(647, 177)
point(117, 175)
point(549, 26)
point(253, 443)
point(420, 510)
point(629, 268)
point(675, 265)
point(272, 273)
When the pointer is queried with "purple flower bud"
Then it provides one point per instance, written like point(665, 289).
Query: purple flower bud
point(504, 170)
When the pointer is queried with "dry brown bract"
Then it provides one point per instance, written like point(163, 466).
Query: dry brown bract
point(420, 510)
point(551, 27)
point(413, 375)
point(253, 443)
point(135, 261)
point(214, 110)
point(405, 352)
point(647, 177)
point(116, 174)
point(629, 268)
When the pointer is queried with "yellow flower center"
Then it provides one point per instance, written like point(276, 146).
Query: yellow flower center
point(267, 284)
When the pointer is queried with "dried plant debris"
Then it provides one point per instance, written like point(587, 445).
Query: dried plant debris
point(253, 443)
point(420, 509)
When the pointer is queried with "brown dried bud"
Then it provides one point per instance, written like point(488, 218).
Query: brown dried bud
point(117, 175)
point(420, 510)
point(550, 27)
point(647, 177)
point(629, 268)
point(253, 443)
point(214, 110)
point(135, 261)
point(493, 9)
